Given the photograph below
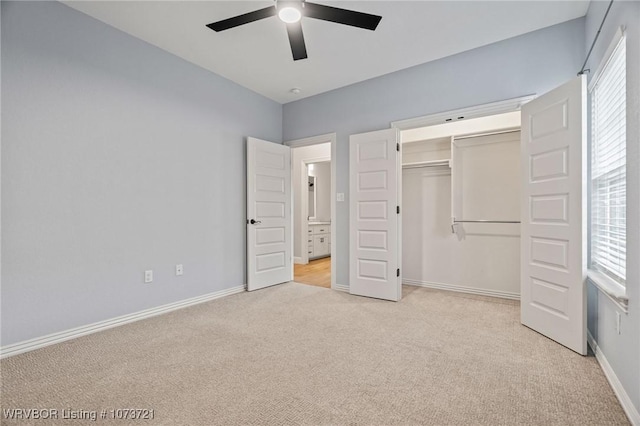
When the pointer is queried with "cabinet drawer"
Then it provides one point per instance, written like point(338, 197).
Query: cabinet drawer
point(319, 229)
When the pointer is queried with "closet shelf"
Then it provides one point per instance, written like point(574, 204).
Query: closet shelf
point(432, 163)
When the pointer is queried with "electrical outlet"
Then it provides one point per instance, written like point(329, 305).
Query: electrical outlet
point(148, 276)
point(179, 270)
point(340, 196)
point(618, 322)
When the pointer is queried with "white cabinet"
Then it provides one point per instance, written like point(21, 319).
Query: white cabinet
point(310, 244)
point(319, 241)
point(321, 245)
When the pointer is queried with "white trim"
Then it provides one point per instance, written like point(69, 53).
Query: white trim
point(341, 287)
point(624, 399)
point(315, 140)
point(62, 336)
point(463, 289)
point(334, 212)
point(614, 291)
point(470, 112)
point(298, 260)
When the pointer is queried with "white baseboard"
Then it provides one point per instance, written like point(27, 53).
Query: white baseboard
point(462, 289)
point(298, 260)
point(52, 339)
point(341, 287)
point(627, 405)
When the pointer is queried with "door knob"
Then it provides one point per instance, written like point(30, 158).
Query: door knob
point(253, 221)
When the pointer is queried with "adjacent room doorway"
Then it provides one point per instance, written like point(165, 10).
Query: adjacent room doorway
point(314, 195)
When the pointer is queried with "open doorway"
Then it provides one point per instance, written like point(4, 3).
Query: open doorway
point(313, 189)
point(317, 271)
point(461, 205)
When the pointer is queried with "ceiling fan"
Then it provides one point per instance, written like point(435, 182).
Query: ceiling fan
point(291, 12)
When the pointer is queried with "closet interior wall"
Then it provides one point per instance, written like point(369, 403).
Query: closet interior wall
point(472, 177)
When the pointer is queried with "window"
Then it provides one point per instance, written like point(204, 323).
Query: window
point(608, 168)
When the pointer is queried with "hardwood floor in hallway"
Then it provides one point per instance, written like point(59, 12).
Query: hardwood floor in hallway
point(316, 273)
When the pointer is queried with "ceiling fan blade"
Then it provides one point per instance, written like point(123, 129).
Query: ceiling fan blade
point(341, 16)
point(245, 18)
point(296, 39)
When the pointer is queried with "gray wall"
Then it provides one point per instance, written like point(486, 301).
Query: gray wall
point(528, 64)
point(622, 351)
point(116, 157)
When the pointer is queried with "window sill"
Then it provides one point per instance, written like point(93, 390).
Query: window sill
point(614, 291)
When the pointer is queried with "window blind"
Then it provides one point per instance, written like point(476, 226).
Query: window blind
point(608, 168)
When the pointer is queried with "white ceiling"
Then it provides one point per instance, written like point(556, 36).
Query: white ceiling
point(258, 56)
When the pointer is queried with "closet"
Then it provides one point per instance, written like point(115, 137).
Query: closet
point(461, 211)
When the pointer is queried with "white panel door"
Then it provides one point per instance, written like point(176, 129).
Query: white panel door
point(269, 218)
point(553, 266)
point(374, 228)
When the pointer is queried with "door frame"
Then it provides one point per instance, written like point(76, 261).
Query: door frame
point(316, 140)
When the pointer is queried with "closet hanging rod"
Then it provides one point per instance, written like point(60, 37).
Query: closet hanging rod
point(486, 221)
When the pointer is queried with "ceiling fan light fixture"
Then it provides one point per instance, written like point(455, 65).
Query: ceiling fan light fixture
point(289, 15)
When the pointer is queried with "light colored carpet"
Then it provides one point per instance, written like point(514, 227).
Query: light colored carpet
point(296, 354)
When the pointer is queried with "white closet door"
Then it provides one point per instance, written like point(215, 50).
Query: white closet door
point(553, 294)
point(374, 220)
point(269, 219)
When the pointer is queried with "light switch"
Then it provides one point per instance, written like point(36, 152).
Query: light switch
point(179, 270)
